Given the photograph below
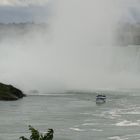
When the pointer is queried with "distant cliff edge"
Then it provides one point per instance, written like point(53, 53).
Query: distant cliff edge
point(10, 93)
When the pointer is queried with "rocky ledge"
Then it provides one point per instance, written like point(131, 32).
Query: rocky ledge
point(10, 93)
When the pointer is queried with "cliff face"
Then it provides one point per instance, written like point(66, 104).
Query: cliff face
point(9, 92)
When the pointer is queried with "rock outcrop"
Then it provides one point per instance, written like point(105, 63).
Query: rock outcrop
point(10, 93)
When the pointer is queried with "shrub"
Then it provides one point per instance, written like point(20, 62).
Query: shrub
point(36, 135)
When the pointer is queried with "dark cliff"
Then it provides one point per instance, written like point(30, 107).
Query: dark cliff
point(9, 92)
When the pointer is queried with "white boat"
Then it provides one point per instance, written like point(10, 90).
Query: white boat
point(100, 99)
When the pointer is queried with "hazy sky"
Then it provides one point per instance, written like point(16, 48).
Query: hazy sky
point(36, 10)
point(22, 2)
point(23, 10)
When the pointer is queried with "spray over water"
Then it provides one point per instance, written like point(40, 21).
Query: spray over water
point(85, 39)
point(75, 51)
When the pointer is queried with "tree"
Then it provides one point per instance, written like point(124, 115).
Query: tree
point(35, 135)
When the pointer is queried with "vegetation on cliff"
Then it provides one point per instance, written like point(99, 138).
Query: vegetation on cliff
point(9, 92)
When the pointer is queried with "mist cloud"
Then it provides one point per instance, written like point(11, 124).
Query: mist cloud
point(74, 50)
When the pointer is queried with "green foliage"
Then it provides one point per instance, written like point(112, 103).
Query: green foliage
point(9, 92)
point(35, 135)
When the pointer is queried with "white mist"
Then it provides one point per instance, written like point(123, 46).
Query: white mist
point(76, 50)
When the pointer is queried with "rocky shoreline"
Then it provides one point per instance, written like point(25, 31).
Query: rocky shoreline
point(10, 93)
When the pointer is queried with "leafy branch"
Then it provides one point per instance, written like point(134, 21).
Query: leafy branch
point(36, 135)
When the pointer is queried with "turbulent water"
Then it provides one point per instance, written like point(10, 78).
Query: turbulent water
point(73, 116)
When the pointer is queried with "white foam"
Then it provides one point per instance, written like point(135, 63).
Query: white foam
point(87, 124)
point(132, 113)
point(125, 137)
point(86, 113)
point(127, 123)
point(77, 129)
point(117, 138)
point(112, 114)
point(98, 130)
